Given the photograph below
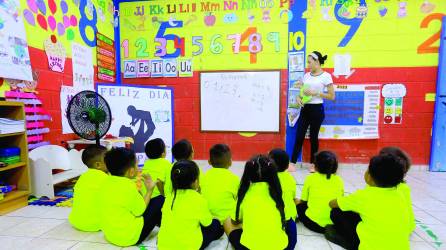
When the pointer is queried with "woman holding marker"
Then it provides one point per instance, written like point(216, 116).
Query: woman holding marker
point(317, 85)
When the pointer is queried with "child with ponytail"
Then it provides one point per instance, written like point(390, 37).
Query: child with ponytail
point(319, 189)
point(258, 221)
point(187, 222)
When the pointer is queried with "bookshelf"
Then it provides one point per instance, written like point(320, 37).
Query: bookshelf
point(18, 173)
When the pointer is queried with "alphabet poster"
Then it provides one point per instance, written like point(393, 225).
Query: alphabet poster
point(147, 114)
point(14, 55)
point(207, 35)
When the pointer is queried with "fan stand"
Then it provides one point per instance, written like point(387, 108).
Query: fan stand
point(98, 142)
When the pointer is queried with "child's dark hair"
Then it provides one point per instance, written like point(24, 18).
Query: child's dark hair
point(220, 155)
point(92, 153)
point(386, 170)
point(119, 160)
point(182, 150)
point(326, 162)
point(184, 173)
point(260, 168)
point(398, 153)
point(155, 148)
point(281, 158)
point(320, 57)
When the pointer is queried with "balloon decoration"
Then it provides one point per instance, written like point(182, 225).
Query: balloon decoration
point(37, 10)
point(32, 6)
point(42, 22)
point(64, 7)
point(29, 17)
point(52, 22)
point(52, 5)
point(60, 29)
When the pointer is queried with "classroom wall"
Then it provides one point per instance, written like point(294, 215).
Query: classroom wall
point(413, 135)
point(390, 45)
point(49, 82)
point(187, 120)
point(138, 42)
point(384, 50)
point(397, 42)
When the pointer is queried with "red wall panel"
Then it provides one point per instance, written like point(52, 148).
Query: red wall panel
point(413, 135)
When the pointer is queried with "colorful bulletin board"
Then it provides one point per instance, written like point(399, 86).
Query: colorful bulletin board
point(376, 33)
point(354, 114)
point(105, 51)
point(366, 34)
point(148, 115)
point(214, 35)
point(65, 21)
point(14, 55)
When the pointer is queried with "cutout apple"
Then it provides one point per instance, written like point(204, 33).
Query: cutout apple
point(210, 19)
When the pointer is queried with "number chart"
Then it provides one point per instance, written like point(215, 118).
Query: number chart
point(214, 35)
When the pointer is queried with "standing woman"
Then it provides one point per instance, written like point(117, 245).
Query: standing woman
point(312, 113)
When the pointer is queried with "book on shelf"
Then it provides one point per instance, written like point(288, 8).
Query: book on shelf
point(8, 126)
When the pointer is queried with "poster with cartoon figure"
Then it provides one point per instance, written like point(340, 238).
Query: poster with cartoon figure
point(14, 55)
point(147, 114)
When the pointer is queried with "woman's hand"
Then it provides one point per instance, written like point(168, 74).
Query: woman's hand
point(299, 101)
point(310, 92)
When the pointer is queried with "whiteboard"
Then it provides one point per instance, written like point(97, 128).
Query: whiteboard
point(240, 101)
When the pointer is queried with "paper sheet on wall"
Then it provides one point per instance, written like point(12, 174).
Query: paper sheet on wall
point(66, 93)
point(14, 56)
point(342, 64)
point(393, 102)
point(83, 70)
point(142, 113)
point(354, 114)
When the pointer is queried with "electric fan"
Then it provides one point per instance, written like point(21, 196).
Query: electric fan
point(89, 115)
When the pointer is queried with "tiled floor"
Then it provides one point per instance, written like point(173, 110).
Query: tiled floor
point(36, 227)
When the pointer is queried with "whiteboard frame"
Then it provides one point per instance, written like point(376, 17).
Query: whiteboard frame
point(246, 71)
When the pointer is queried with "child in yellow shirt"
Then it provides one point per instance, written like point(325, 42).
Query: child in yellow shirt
point(86, 209)
point(376, 217)
point(219, 185)
point(126, 218)
point(259, 218)
point(181, 150)
point(157, 167)
point(319, 189)
point(187, 222)
point(288, 184)
point(403, 187)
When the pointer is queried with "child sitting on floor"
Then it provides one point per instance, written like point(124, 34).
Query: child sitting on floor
point(181, 150)
point(319, 189)
point(376, 217)
point(259, 218)
point(288, 184)
point(126, 218)
point(219, 185)
point(86, 209)
point(403, 187)
point(187, 222)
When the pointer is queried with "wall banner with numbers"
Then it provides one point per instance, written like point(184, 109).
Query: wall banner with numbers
point(215, 35)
